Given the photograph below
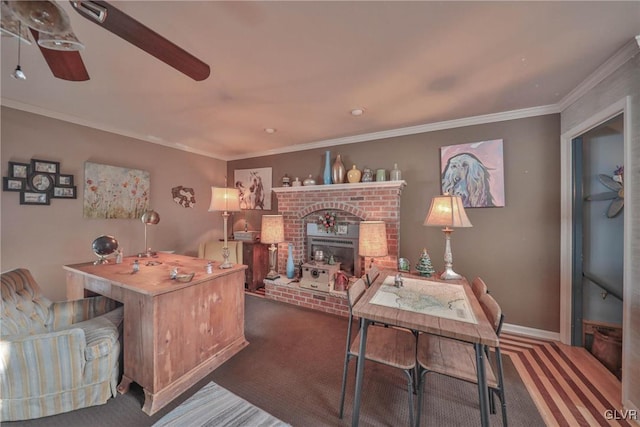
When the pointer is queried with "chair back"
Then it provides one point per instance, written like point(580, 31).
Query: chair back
point(479, 287)
point(213, 250)
point(25, 310)
point(372, 274)
point(355, 291)
point(493, 312)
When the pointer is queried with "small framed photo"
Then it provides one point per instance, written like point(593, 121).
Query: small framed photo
point(32, 198)
point(45, 166)
point(18, 170)
point(13, 184)
point(64, 193)
point(63, 180)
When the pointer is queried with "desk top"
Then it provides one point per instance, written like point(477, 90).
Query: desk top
point(154, 275)
point(479, 331)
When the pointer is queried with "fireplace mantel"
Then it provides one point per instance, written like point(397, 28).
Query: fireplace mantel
point(341, 187)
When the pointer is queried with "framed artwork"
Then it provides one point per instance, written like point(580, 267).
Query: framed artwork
point(112, 192)
point(45, 166)
point(64, 193)
point(254, 186)
point(475, 172)
point(64, 180)
point(33, 198)
point(18, 170)
point(13, 184)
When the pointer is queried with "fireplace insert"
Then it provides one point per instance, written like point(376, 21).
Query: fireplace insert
point(342, 245)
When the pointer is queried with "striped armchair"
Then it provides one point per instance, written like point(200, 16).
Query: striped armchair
point(55, 356)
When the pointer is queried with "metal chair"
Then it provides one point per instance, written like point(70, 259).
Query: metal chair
point(457, 359)
point(388, 346)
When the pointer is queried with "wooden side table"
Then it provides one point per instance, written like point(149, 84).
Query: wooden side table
point(255, 256)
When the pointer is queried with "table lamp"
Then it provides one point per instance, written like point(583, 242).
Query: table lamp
point(447, 211)
point(225, 200)
point(373, 240)
point(272, 231)
point(149, 217)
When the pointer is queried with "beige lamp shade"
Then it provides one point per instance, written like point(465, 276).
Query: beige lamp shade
point(224, 199)
point(447, 211)
point(272, 229)
point(373, 239)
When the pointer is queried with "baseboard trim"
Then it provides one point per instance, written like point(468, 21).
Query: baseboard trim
point(531, 332)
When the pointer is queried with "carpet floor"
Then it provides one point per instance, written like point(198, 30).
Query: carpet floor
point(292, 369)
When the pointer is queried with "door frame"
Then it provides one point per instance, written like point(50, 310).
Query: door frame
point(566, 214)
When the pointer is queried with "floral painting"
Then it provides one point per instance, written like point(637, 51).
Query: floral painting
point(475, 172)
point(115, 192)
point(254, 186)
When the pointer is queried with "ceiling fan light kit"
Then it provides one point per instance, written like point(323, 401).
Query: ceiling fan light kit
point(66, 42)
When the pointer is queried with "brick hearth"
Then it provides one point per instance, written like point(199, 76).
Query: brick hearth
point(372, 201)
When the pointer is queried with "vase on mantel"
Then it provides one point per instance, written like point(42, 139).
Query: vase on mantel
point(291, 270)
point(326, 177)
point(338, 171)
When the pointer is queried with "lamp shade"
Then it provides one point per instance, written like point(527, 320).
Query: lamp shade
point(272, 230)
point(373, 239)
point(224, 199)
point(447, 211)
point(150, 217)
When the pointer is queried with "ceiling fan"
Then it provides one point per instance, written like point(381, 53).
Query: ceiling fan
point(616, 195)
point(49, 26)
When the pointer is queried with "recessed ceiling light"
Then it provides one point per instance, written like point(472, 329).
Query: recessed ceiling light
point(357, 111)
point(270, 130)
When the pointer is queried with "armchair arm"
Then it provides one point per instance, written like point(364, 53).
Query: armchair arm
point(26, 366)
point(65, 313)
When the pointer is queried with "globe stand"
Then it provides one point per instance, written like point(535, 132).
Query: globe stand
point(102, 259)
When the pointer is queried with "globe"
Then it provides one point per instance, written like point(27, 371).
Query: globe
point(104, 246)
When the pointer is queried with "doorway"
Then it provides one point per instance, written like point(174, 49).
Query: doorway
point(598, 235)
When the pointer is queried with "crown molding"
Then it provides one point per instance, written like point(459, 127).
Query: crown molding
point(626, 52)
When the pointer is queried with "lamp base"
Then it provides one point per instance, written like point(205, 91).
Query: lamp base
point(272, 275)
point(225, 258)
point(148, 254)
point(449, 274)
point(226, 264)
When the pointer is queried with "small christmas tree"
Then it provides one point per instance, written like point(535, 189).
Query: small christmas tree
point(424, 266)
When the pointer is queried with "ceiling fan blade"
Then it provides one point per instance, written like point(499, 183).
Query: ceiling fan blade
point(610, 195)
point(124, 26)
point(608, 182)
point(65, 65)
point(615, 208)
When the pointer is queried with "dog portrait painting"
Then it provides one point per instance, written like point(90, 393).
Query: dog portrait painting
point(254, 186)
point(475, 172)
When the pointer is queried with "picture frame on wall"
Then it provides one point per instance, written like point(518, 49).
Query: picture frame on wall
point(254, 186)
point(475, 172)
point(34, 198)
point(64, 180)
point(18, 170)
point(64, 192)
point(45, 166)
point(13, 184)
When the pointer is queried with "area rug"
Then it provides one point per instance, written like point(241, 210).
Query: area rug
point(216, 406)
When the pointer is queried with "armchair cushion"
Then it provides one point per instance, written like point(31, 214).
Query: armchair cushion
point(213, 250)
point(55, 357)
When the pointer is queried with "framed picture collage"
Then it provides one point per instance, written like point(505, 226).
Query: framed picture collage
point(38, 182)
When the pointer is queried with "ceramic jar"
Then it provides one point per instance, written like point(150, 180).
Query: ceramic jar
point(367, 175)
point(381, 175)
point(354, 175)
point(309, 181)
point(296, 182)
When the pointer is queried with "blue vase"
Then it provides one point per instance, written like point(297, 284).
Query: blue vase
point(326, 177)
point(290, 267)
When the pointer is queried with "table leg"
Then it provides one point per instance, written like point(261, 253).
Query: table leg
point(355, 418)
point(483, 392)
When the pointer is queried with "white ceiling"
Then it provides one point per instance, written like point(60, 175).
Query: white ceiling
point(300, 67)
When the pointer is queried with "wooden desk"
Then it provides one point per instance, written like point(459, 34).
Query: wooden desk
point(174, 333)
point(479, 334)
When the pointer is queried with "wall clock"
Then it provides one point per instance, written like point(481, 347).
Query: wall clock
point(41, 182)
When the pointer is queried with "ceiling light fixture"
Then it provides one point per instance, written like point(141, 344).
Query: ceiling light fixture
point(270, 130)
point(357, 112)
point(18, 73)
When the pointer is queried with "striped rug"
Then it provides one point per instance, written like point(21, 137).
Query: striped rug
point(568, 385)
point(215, 406)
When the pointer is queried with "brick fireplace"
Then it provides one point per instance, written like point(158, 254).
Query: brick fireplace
point(352, 203)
